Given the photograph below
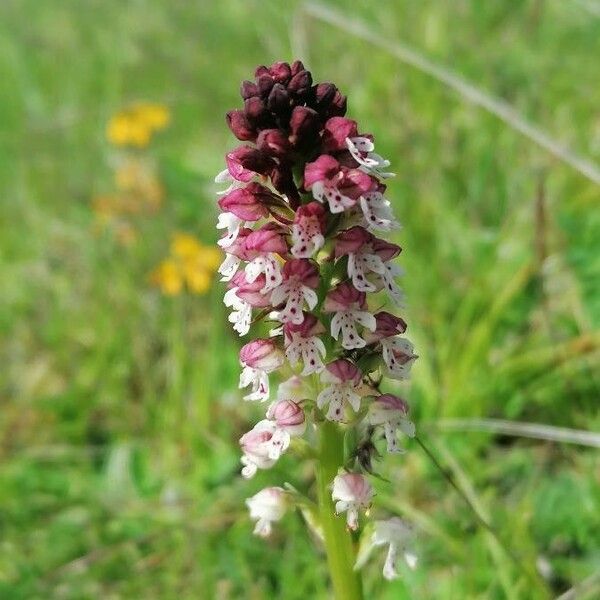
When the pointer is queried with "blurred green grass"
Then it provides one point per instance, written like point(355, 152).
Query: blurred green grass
point(120, 414)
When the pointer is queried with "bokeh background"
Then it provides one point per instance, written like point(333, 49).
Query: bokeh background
point(120, 414)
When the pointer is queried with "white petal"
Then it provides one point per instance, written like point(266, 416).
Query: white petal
point(407, 427)
point(358, 274)
point(223, 176)
point(247, 376)
point(310, 356)
point(273, 276)
point(411, 559)
point(325, 396)
point(262, 528)
point(366, 319)
point(320, 346)
point(318, 191)
point(310, 296)
point(254, 268)
point(337, 201)
point(279, 443)
point(352, 518)
point(229, 267)
point(353, 400)
point(292, 352)
point(336, 411)
point(249, 469)
point(280, 294)
point(336, 324)
point(389, 568)
point(362, 144)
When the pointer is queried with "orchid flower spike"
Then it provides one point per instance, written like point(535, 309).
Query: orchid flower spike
point(303, 223)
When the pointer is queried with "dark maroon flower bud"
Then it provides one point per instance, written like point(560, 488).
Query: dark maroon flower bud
point(281, 72)
point(385, 250)
point(323, 94)
point(296, 67)
point(388, 325)
point(305, 126)
point(338, 106)
point(239, 125)
point(274, 142)
point(248, 89)
point(264, 82)
point(235, 165)
point(261, 70)
point(345, 159)
point(279, 99)
point(283, 181)
point(351, 241)
point(244, 162)
point(256, 112)
point(300, 84)
point(328, 101)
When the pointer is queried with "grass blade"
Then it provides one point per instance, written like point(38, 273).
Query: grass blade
point(530, 430)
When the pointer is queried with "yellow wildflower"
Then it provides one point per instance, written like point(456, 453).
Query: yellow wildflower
point(197, 279)
point(134, 125)
point(211, 257)
point(185, 246)
point(199, 268)
point(156, 116)
point(190, 262)
point(167, 276)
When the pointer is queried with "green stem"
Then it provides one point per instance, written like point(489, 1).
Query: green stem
point(341, 555)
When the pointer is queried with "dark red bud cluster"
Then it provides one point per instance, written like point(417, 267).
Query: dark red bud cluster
point(284, 115)
point(283, 99)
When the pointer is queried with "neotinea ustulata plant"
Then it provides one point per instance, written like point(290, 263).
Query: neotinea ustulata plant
point(305, 213)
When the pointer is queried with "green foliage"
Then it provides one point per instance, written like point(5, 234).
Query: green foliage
point(120, 411)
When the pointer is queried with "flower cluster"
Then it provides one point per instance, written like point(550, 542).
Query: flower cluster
point(302, 214)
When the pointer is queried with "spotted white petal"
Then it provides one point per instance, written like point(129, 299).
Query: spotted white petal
point(232, 224)
point(377, 212)
point(337, 201)
point(229, 267)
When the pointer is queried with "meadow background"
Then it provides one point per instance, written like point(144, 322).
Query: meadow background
point(120, 414)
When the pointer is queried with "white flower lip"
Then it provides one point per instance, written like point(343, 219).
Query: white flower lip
point(266, 507)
